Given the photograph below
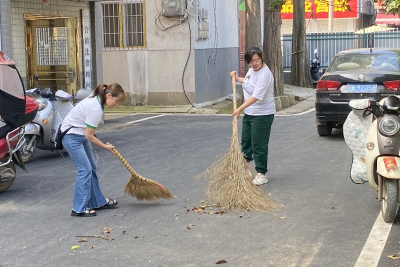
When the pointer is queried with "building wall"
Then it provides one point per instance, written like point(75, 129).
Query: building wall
point(5, 27)
point(218, 55)
point(21, 7)
point(153, 75)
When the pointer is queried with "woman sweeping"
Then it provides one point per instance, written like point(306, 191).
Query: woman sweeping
point(82, 122)
point(259, 110)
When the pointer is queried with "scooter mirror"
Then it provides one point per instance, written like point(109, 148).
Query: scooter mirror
point(315, 51)
point(36, 77)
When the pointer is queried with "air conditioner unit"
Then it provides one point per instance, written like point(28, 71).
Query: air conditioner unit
point(173, 8)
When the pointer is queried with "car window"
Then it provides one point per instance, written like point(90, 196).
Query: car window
point(349, 62)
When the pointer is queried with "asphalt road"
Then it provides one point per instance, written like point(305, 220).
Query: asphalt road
point(325, 221)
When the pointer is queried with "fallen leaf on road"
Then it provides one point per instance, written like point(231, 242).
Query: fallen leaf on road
point(83, 240)
point(333, 208)
point(191, 224)
point(393, 257)
point(108, 228)
point(282, 217)
point(109, 238)
point(135, 236)
point(248, 216)
point(188, 228)
point(202, 201)
point(74, 247)
point(221, 261)
point(176, 218)
point(240, 216)
point(211, 212)
point(123, 232)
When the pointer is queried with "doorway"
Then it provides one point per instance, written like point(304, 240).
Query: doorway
point(52, 52)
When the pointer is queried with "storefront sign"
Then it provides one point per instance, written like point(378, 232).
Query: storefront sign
point(86, 49)
point(319, 9)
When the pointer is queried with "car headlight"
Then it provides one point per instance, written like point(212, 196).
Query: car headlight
point(389, 125)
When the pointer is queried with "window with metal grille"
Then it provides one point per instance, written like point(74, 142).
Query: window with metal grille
point(52, 46)
point(124, 24)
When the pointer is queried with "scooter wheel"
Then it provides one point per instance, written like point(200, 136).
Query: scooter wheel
point(7, 171)
point(389, 201)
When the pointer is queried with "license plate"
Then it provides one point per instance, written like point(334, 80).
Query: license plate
point(361, 88)
point(390, 163)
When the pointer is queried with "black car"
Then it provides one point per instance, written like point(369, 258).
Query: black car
point(355, 74)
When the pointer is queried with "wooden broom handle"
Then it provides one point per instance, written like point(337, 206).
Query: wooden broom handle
point(126, 164)
point(234, 92)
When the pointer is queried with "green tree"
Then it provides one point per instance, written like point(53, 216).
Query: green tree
point(392, 6)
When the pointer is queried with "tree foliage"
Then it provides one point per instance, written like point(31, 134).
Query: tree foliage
point(391, 6)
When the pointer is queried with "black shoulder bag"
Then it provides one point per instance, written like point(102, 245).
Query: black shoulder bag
point(59, 136)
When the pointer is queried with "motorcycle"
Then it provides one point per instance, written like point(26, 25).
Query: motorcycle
point(315, 69)
point(377, 128)
point(16, 110)
point(41, 132)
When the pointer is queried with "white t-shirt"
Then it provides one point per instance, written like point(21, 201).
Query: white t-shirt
point(87, 113)
point(259, 84)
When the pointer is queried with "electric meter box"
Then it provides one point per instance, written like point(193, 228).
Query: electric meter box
point(173, 8)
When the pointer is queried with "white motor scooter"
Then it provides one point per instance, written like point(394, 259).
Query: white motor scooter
point(41, 132)
point(380, 163)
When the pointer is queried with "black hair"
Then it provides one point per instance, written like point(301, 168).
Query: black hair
point(251, 51)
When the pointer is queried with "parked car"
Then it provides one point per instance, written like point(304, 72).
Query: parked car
point(355, 74)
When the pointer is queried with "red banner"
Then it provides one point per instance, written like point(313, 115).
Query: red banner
point(319, 9)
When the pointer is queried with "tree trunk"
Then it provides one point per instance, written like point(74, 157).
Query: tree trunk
point(300, 72)
point(253, 25)
point(272, 51)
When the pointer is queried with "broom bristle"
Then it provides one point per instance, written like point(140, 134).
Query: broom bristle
point(230, 184)
point(146, 189)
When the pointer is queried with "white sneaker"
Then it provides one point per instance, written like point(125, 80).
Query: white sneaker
point(260, 179)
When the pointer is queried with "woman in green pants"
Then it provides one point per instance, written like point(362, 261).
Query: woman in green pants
point(259, 110)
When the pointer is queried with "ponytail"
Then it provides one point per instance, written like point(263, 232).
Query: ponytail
point(103, 89)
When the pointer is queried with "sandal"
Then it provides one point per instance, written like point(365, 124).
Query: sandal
point(111, 204)
point(86, 213)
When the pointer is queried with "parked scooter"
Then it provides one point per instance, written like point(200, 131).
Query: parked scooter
point(315, 69)
point(382, 149)
point(16, 110)
point(40, 133)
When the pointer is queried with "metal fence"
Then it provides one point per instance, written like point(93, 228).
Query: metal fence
point(329, 44)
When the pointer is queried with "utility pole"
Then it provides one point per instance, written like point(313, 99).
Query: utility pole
point(330, 20)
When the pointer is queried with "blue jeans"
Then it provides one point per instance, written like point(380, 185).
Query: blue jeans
point(87, 193)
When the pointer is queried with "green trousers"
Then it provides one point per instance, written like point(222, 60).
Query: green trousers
point(255, 138)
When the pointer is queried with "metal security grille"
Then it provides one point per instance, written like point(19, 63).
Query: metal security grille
point(124, 24)
point(52, 46)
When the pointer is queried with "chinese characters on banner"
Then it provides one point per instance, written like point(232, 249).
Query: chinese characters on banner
point(86, 49)
point(321, 9)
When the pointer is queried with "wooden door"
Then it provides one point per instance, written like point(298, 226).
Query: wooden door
point(52, 53)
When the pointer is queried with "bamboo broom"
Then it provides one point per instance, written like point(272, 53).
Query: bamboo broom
point(140, 187)
point(230, 181)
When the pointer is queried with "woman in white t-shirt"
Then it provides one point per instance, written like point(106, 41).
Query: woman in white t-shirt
point(259, 110)
point(82, 122)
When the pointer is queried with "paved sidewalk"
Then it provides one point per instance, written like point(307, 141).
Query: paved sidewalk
point(306, 96)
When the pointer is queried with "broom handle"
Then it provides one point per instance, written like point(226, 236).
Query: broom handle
point(130, 169)
point(234, 92)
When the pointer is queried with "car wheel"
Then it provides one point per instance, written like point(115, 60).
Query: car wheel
point(324, 130)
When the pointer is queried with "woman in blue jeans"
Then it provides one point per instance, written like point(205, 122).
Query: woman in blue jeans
point(82, 122)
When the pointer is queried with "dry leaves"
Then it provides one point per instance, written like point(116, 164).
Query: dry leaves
point(221, 261)
point(107, 230)
point(83, 240)
point(74, 247)
point(393, 257)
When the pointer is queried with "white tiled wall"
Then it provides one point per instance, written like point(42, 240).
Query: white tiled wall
point(35, 7)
